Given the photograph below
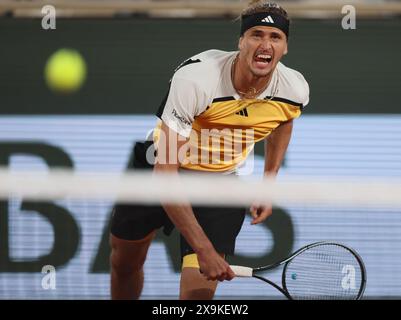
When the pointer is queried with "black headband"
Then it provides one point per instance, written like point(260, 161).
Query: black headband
point(265, 19)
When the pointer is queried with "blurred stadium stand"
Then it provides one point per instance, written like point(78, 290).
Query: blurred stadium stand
point(193, 8)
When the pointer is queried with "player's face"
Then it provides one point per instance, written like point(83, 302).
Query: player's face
point(261, 48)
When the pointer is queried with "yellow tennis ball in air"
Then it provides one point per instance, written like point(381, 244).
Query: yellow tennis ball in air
point(65, 71)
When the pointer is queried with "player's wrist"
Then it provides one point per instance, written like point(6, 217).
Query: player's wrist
point(204, 249)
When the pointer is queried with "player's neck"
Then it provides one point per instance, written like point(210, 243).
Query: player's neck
point(245, 82)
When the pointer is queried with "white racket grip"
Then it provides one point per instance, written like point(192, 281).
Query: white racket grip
point(242, 271)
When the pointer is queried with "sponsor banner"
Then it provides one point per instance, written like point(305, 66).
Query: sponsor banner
point(59, 250)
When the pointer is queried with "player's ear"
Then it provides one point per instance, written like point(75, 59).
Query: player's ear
point(240, 43)
point(286, 49)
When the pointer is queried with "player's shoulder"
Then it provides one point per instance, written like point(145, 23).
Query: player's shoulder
point(292, 85)
point(204, 69)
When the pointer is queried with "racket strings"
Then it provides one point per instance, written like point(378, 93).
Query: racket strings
point(324, 272)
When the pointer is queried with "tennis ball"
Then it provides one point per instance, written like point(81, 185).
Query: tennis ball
point(65, 71)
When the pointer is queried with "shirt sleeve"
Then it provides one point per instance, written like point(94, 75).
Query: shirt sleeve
point(305, 97)
point(184, 102)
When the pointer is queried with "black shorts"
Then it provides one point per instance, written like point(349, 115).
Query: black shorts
point(221, 225)
point(134, 222)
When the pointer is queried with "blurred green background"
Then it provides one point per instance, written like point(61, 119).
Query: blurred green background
point(130, 62)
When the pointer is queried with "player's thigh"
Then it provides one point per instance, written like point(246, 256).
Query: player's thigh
point(127, 255)
point(132, 230)
point(221, 226)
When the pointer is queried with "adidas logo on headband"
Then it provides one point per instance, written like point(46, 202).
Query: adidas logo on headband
point(264, 19)
point(268, 19)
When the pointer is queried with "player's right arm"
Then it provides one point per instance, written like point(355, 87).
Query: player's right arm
point(213, 266)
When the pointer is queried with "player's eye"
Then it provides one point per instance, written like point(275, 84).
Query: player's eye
point(276, 36)
point(257, 35)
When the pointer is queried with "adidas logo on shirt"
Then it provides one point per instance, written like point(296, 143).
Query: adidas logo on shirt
point(268, 19)
point(242, 112)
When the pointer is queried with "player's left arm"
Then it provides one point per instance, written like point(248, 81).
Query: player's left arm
point(276, 145)
point(275, 148)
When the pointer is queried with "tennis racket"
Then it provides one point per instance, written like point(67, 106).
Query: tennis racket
point(319, 271)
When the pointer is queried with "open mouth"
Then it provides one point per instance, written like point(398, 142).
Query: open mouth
point(263, 59)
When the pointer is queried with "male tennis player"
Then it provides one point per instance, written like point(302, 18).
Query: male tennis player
point(225, 91)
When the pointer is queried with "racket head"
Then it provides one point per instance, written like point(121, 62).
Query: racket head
point(324, 271)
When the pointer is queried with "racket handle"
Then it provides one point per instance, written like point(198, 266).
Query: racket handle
point(242, 271)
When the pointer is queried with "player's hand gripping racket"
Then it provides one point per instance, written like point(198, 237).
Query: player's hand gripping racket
point(319, 271)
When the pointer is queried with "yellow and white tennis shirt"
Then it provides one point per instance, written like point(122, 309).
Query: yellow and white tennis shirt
point(222, 128)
